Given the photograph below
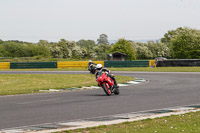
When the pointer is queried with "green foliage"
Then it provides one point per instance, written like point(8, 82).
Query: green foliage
point(39, 51)
point(151, 50)
point(101, 51)
point(184, 42)
point(125, 47)
point(179, 43)
point(102, 48)
point(87, 46)
point(21, 49)
point(103, 39)
point(86, 43)
point(1, 41)
point(142, 51)
point(43, 42)
point(159, 49)
point(3, 51)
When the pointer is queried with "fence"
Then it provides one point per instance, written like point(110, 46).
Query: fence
point(25, 65)
point(84, 64)
point(4, 65)
point(179, 63)
point(126, 63)
point(76, 64)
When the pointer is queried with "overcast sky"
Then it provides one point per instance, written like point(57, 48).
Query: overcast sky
point(32, 20)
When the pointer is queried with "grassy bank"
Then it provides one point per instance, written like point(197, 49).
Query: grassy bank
point(186, 123)
point(32, 83)
point(142, 69)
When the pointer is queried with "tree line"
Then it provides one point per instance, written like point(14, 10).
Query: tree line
point(181, 43)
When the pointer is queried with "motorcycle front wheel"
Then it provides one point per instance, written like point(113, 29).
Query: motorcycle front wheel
point(107, 89)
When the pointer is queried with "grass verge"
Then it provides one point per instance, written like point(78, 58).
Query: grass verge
point(147, 69)
point(31, 83)
point(185, 123)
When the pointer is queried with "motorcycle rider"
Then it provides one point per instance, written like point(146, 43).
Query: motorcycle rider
point(90, 64)
point(101, 69)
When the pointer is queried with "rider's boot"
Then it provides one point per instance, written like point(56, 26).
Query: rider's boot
point(116, 85)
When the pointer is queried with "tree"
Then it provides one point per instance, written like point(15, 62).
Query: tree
point(43, 43)
point(184, 42)
point(125, 47)
point(1, 41)
point(15, 49)
point(38, 50)
point(101, 51)
point(103, 38)
point(56, 51)
point(87, 46)
point(142, 51)
point(64, 48)
point(159, 49)
point(86, 43)
point(3, 52)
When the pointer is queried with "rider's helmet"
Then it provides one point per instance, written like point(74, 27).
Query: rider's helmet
point(90, 60)
point(99, 66)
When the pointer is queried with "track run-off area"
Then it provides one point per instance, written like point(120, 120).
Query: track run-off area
point(163, 90)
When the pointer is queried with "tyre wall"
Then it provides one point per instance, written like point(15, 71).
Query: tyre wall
point(178, 63)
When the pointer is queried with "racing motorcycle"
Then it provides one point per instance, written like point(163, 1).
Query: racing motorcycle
point(107, 84)
point(92, 69)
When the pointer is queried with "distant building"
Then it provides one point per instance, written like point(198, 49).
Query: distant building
point(117, 56)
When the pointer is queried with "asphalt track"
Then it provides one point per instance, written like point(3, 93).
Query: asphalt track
point(162, 91)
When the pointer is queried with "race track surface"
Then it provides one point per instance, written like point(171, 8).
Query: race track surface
point(163, 90)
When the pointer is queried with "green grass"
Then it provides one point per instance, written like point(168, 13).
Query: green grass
point(185, 123)
point(31, 83)
point(140, 69)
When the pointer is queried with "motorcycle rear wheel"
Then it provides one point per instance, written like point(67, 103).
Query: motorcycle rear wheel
point(107, 89)
point(116, 92)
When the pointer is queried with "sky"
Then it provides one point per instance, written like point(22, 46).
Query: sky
point(51, 20)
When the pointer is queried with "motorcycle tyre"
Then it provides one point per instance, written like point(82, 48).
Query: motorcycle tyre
point(105, 90)
point(116, 92)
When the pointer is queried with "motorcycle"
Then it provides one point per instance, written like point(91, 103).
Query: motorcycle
point(92, 69)
point(107, 84)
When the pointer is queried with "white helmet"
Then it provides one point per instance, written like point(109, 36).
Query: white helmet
point(90, 60)
point(99, 66)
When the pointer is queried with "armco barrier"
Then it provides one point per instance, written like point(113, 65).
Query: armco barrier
point(24, 65)
point(4, 65)
point(73, 64)
point(181, 63)
point(126, 63)
point(76, 64)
